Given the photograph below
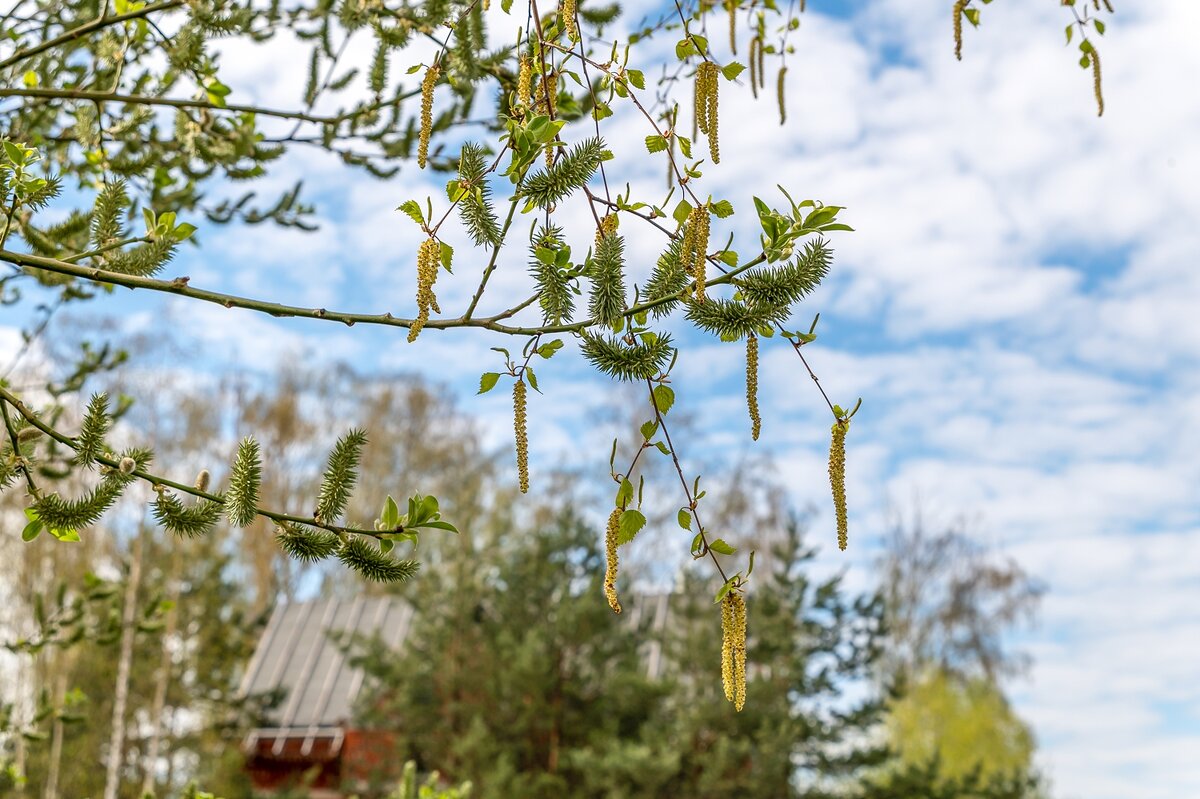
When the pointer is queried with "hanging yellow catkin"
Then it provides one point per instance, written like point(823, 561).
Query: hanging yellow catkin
point(549, 103)
point(733, 648)
point(1096, 82)
point(567, 12)
point(430, 80)
point(837, 478)
point(752, 386)
point(525, 83)
point(610, 550)
point(706, 106)
point(959, 7)
point(695, 247)
point(752, 57)
point(731, 6)
point(428, 257)
point(608, 226)
point(779, 95)
point(520, 425)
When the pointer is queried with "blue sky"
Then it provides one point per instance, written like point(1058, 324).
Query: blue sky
point(1018, 309)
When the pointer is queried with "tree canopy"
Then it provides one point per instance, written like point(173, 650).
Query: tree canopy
point(121, 142)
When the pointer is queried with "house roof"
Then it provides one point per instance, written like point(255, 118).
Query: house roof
point(299, 654)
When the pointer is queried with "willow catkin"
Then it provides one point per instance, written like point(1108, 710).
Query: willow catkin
point(752, 386)
point(610, 550)
point(427, 84)
point(779, 95)
point(202, 480)
point(567, 12)
point(733, 648)
point(959, 7)
point(525, 83)
point(837, 478)
point(428, 257)
point(1096, 82)
point(520, 425)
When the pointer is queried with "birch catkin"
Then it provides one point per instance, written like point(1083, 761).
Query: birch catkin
point(752, 386)
point(520, 426)
point(567, 12)
point(695, 247)
point(430, 80)
point(610, 550)
point(733, 648)
point(837, 478)
point(525, 83)
point(428, 257)
point(705, 100)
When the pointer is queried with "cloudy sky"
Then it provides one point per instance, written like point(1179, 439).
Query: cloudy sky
point(1017, 307)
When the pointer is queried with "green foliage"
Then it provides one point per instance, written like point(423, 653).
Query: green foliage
point(964, 724)
point(643, 359)
point(245, 478)
point(341, 474)
point(607, 272)
point(669, 278)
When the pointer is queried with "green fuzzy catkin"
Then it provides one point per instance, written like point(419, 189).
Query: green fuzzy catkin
point(837, 478)
point(144, 260)
point(520, 427)
point(110, 206)
point(606, 303)
point(668, 278)
point(305, 545)
point(556, 296)
point(476, 205)
point(245, 479)
point(427, 85)
point(780, 286)
point(364, 558)
point(959, 7)
point(75, 514)
point(571, 172)
point(640, 361)
point(341, 474)
point(428, 257)
point(183, 520)
point(611, 536)
point(377, 78)
point(752, 386)
point(780, 96)
point(732, 319)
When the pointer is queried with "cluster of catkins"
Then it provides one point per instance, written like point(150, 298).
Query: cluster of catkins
point(695, 247)
point(707, 81)
point(733, 648)
point(428, 258)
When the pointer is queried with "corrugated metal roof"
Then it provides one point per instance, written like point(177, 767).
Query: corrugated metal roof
point(299, 654)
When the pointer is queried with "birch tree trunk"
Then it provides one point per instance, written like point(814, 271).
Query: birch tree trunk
point(116, 741)
point(162, 679)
